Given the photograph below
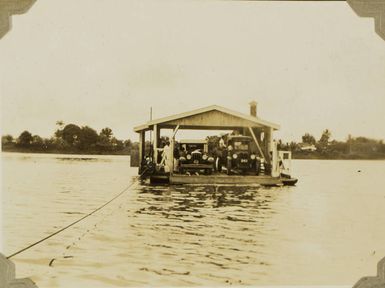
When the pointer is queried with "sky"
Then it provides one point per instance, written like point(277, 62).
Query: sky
point(309, 65)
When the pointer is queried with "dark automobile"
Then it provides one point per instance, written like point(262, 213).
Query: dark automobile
point(240, 158)
point(194, 156)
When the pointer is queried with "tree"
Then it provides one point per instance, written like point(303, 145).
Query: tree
point(337, 147)
point(282, 146)
point(50, 143)
point(59, 143)
point(37, 142)
point(308, 139)
point(135, 145)
point(324, 140)
point(70, 134)
point(6, 139)
point(105, 142)
point(60, 124)
point(59, 134)
point(325, 137)
point(293, 146)
point(88, 138)
point(127, 143)
point(107, 132)
point(117, 145)
point(382, 146)
point(25, 138)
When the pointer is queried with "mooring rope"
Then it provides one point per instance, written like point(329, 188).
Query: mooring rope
point(77, 221)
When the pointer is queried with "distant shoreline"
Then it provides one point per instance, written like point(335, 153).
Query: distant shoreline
point(21, 150)
point(296, 155)
point(327, 156)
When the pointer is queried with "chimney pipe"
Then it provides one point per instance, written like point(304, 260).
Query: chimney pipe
point(253, 108)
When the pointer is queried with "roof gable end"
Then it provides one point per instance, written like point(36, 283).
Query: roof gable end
point(193, 115)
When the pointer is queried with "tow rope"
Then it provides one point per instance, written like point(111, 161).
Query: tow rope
point(77, 221)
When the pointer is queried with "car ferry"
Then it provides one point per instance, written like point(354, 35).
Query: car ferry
point(248, 155)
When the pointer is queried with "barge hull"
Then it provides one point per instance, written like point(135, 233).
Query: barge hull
point(225, 179)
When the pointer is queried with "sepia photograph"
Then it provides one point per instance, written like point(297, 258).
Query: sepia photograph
point(192, 143)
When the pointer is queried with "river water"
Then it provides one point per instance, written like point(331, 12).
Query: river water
point(327, 230)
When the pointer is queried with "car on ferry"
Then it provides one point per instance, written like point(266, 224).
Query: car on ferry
point(194, 157)
point(240, 158)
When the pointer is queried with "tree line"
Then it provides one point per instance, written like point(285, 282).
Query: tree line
point(69, 138)
point(72, 138)
point(325, 148)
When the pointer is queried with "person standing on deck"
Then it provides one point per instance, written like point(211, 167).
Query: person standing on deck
point(166, 157)
point(220, 154)
point(222, 144)
point(176, 157)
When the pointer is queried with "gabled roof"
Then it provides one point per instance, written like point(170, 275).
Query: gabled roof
point(254, 120)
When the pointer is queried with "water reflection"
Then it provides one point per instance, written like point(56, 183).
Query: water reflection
point(191, 198)
point(219, 220)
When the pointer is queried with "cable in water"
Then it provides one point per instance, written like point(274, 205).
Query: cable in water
point(75, 222)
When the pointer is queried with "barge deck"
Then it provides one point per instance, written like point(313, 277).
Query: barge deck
point(223, 179)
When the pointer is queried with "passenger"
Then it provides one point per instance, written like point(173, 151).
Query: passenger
point(258, 165)
point(181, 158)
point(160, 153)
point(281, 165)
point(222, 144)
point(166, 160)
point(176, 151)
point(262, 167)
point(220, 154)
point(218, 158)
point(282, 169)
point(268, 168)
point(146, 164)
point(182, 152)
point(176, 157)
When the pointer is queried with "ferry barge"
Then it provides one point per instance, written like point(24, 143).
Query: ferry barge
point(248, 155)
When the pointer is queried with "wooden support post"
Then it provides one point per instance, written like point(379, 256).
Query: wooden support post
point(274, 161)
point(155, 143)
point(270, 139)
point(256, 142)
point(142, 140)
point(172, 148)
point(268, 143)
point(175, 131)
point(244, 131)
